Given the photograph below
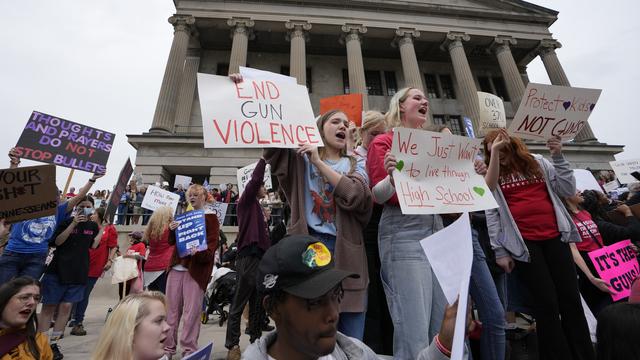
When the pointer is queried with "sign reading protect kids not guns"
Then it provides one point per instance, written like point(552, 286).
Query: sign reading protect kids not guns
point(617, 264)
point(65, 143)
point(549, 110)
point(435, 173)
point(255, 113)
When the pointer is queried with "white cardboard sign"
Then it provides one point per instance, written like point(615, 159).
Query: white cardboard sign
point(452, 245)
point(492, 115)
point(256, 113)
point(244, 175)
point(185, 181)
point(624, 168)
point(435, 173)
point(550, 110)
point(250, 74)
point(219, 208)
point(155, 197)
point(585, 180)
point(611, 186)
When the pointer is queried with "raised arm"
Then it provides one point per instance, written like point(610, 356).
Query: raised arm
point(71, 203)
point(563, 183)
point(493, 170)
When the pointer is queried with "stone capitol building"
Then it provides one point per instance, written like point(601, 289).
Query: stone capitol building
point(449, 48)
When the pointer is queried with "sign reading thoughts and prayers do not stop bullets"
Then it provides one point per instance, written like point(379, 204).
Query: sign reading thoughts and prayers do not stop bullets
point(255, 113)
point(435, 173)
point(549, 110)
point(54, 140)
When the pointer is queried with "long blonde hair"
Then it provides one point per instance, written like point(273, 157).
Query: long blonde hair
point(370, 120)
point(158, 222)
point(116, 339)
point(394, 115)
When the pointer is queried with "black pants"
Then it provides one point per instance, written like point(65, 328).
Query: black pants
point(159, 284)
point(551, 277)
point(247, 268)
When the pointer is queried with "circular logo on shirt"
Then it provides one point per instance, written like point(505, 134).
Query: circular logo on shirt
point(316, 255)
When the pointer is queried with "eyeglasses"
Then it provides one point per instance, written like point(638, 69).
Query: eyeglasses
point(25, 298)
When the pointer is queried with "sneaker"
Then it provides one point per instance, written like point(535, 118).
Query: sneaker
point(78, 330)
point(57, 354)
point(234, 353)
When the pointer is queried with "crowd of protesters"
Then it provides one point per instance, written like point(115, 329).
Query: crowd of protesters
point(331, 259)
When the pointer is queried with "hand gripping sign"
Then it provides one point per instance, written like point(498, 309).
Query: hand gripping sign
point(435, 173)
point(617, 264)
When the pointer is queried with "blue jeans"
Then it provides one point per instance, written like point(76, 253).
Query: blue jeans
point(416, 301)
point(81, 306)
point(13, 264)
point(485, 295)
point(352, 324)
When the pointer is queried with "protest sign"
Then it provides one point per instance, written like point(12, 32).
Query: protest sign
point(624, 168)
point(549, 110)
point(219, 208)
point(350, 104)
point(492, 115)
point(191, 234)
point(28, 192)
point(155, 197)
point(118, 190)
point(435, 173)
point(255, 113)
point(244, 175)
point(201, 354)
point(453, 245)
point(54, 140)
point(585, 180)
point(611, 186)
point(617, 264)
point(185, 181)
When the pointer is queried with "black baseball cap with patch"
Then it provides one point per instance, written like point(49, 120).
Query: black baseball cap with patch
point(299, 265)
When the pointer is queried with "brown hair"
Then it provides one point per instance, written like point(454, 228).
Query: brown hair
point(519, 159)
point(321, 151)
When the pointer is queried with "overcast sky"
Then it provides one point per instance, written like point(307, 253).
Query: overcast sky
point(101, 63)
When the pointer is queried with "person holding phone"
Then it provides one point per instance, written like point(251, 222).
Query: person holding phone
point(66, 276)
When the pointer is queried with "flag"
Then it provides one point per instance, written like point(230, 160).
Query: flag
point(206, 185)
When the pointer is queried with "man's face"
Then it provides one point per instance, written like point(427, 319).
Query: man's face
point(309, 326)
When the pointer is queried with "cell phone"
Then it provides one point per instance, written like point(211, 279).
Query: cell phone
point(636, 174)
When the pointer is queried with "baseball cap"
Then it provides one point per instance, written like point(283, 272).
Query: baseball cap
point(136, 235)
point(299, 265)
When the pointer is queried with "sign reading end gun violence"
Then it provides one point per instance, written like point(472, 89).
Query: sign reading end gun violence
point(617, 264)
point(549, 110)
point(54, 140)
point(28, 192)
point(255, 113)
point(436, 173)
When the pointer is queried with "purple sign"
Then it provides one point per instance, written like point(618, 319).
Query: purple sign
point(54, 140)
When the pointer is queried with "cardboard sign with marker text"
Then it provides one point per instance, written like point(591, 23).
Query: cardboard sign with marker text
point(118, 190)
point(350, 104)
point(549, 110)
point(492, 115)
point(54, 140)
point(617, 264)
point(244, 175)
point(435, 173)
point(255, 114)
point(28, 192)
point(624, 168)
point(155, 197)
point(219, 208)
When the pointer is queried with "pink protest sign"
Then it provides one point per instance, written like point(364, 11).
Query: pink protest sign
point(617, 264)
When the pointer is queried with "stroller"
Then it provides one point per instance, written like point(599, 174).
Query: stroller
point(220, 292)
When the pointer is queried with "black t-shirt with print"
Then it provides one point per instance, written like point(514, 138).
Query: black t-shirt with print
point(71, 259)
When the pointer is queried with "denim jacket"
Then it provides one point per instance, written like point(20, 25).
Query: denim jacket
point(503, 231)
point(346, 349)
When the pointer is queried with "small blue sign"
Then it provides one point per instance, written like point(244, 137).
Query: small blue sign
point(191, 234)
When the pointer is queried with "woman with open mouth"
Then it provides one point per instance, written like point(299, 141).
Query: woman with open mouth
point(416, 301)
point(136, 329)
point(19, 338)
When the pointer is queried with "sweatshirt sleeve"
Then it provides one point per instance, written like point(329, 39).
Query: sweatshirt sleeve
point(353, 195)
point(563, 182)
point(252, 187)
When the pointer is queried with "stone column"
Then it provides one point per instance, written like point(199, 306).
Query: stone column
point(298, 35)
point(512, 78)
point(163, 118)
point(411, 70)
point(466, 84)
point(547, 51)
point(357, 83)
point(187, 90)
point(241, 34)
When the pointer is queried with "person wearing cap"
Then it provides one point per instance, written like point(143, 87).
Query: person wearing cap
point(302, 291)
point(253, 241)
